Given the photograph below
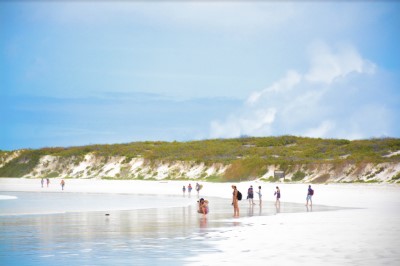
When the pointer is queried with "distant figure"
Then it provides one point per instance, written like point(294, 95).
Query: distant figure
point(259, 194)
point(278, 196)
point(250, 196)
point(47, 182)
point(189, 189)
point(198, 187)
point(184, 190)
point(62, 184)
point(235, 202)
point(203, 206)
point(42, 182)
point(310, 193)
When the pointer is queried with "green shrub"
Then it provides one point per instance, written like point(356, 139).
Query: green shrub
point(298, 176)
point(53, 174)
point(396, 177)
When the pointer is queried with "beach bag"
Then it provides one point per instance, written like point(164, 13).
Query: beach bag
point(312, 192)
point(239, 195)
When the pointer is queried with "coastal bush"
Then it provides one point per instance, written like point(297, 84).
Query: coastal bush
point(396, 177)
point(213, 178)
point(372, 181)
point(21, 165)
point(321, 179)
point(52, 174)
point(247, 156)
point(298, 176)
point(245, 169)
point(270, 179)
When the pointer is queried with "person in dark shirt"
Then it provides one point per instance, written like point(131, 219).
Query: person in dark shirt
point(310, 193)
point(250, 195)
point(278, 196)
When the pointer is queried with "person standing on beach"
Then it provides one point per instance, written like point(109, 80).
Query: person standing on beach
point(189, 189)
point(42, 182)
point(235, 202)
point(62, 184)
point(183, 190)
point(259, 194)
point(198, 187)
point(278, 196)
point(47, 182)
point(310, 193)
point(250, 196)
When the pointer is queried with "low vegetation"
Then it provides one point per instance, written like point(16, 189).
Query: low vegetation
point(248, 157)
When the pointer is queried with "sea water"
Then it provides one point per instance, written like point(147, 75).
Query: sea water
point(119, 229)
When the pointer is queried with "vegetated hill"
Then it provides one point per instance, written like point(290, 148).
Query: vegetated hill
point(298, 158)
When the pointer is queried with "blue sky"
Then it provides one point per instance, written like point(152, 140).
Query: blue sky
point(77, 73)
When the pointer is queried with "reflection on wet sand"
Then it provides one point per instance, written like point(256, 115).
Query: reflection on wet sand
point(146, 235)
point(203, 222)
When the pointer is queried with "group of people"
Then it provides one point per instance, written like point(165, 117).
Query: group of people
point(47, 182)
point(250, 197)
point(62, 183)
point(236, 196)
point(189, 188)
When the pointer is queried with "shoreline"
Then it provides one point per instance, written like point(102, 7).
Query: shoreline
point(367, 234)
point(326, 194)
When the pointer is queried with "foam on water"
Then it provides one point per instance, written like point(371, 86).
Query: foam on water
point(5, 197)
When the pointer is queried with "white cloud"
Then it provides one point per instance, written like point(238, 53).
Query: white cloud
point(322, 130)
point(321, 103)
point(327, 65)
point(291, 79)
point(256, 123)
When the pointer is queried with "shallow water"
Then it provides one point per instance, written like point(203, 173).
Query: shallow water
point(155, 231)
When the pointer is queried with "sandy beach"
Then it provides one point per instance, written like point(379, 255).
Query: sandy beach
point(365, 231)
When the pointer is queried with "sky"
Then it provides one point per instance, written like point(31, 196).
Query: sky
point(86, 72)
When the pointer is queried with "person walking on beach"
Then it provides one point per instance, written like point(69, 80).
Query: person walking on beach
point(250, 196)
point(259, 194)
point(183, 190)
point(47, 182)
point(189, 189)
point(62, 184)
point(310, 193)
point(278, 196)
point(235, 201)
point(42, 182)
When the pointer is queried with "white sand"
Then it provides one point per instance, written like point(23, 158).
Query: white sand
point(367, 234)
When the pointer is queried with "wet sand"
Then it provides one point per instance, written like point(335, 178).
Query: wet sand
point(349, 225)
point(56, 234)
